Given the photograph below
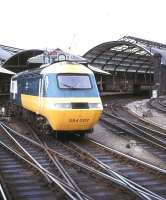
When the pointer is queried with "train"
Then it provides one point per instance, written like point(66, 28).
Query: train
point(59, 97)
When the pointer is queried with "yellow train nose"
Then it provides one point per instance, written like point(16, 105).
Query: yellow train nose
point(73, 119)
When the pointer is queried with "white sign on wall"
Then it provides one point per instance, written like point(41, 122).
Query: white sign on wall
point(154, 94)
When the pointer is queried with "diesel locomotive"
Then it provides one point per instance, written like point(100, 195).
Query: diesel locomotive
point(62, 96)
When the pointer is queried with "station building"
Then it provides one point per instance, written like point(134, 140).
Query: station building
point(135, 65)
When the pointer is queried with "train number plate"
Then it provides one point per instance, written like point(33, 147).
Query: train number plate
point(78, 120)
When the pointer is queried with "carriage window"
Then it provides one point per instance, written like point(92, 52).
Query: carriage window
point(31, 86)
point(72, 81)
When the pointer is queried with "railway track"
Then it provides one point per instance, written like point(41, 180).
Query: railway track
point(22, 181)
point(24, 178)
point(140, 131)
point(35, 157)
point(90, 183)
point(158, 104)
point(138, 172)
point(108, 184)
point(119, 109)
point(147, 135)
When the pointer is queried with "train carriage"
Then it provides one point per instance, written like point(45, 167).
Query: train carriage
point(65, 94)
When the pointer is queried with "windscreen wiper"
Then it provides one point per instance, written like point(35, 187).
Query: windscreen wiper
point(68, 86)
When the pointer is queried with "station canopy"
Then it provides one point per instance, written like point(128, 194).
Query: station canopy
point(27, 59)
point(6, 52)
point(129, 54)
point(57, 55)
point(5, 71)
point(18, 61)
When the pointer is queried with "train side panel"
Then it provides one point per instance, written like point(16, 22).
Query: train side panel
point(25, 91)
point(31, 103)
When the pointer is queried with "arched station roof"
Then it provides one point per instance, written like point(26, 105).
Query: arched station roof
point(128, 54)
point(18, 62)
point(6, 52)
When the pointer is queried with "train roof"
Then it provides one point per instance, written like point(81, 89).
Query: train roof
point(66, 67)
point(61, 67)
point(58, 67)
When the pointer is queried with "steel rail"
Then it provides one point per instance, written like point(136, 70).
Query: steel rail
point(141, 119)
point(150, 129)
point(158, 105)
point(158, 169)
point(42, 171)
point(63, 172)
point(159, 142)
point(135, 187)
point(83, 166)
point(130, 183)
point(2, 193)
point(68, 159)
point(161, 137)
point(52, 177)
point(148, 122)
point(21, 148)
point(161, 132)
point(124, 178)
point(162, 104)
point(46, 174)
point(101, 174)
point(81, 195)
point(121, 182)
point(161, 145)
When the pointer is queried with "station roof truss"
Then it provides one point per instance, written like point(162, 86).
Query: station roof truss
point(11, 50)
point(128, 54)
point(19, 60)
point(6, 52)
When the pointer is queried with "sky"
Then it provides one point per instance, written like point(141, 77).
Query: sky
point(76, 26)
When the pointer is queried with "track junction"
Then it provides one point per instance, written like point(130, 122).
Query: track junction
point(35, 166)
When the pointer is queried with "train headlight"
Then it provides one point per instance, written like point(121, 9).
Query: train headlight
point(60, 106)
point(95, 105)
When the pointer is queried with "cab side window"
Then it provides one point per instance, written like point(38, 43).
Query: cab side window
point(30, 86)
